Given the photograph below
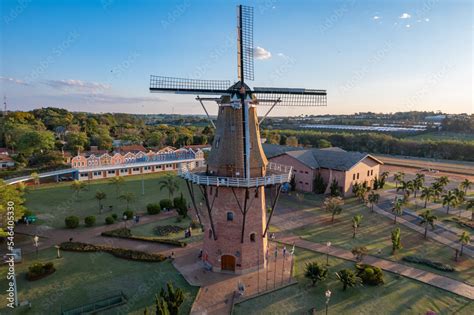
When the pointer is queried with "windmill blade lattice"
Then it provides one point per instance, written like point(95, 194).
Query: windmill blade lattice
point(289, 96)
point(160, 84)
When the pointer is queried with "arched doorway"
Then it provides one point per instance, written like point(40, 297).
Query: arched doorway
point(227, 263)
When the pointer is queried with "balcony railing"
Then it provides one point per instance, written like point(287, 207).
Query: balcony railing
point(276, 174)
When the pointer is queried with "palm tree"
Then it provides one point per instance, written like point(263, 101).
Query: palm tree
point(333, 205)
point(398, 177)
point(373, 199)
point(449, 199)
point(77, 186)
point(117, 182)
point(348, 278)
point(384, 175)
point(460, 198)
point(407, 188)
point(418, 182)
point(169, 183)
point(464, 239)
point(427, 193)
point(427, 219)
point(100, 195)
point(437, 190)
point(315, 272)
point(356, 220)
point(443, 180)
point(465, 185)
point(128, 197)
point(396, 240)
point(397, 209)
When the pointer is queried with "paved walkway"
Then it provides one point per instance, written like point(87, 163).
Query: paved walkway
point(427, 277)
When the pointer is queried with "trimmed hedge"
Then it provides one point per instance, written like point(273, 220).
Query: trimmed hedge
point(109, 220)
point(126, 233)
point(71, 222)
point(39, 271)
point(153, 208)
point(89, 221)
point(128, 214)
point(433, 264)
point(166, 204)
point(117, 252)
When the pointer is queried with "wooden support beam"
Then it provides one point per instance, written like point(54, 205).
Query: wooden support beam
point(193, 200)
point(272, 209)
point(209, 210)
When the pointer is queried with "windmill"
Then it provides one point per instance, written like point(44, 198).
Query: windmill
point(234, 214)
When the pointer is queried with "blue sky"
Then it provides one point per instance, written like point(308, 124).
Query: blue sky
point(97, 55)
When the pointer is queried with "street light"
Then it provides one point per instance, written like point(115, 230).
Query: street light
point(328, 297)
point(58, 253)
point(35, 242)
point(125, 220)
point(328, 244)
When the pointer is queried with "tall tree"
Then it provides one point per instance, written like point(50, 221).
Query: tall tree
point(398, 177)
point(78, 186)
point(427, 218)
point(128, 197)
point(315, 272)
point(465, 185)
point(117, 181)
point(418, 183)
point(470, 206)
point(10, 194)
point(356, 221)
point(427, 193)
point(173, 297)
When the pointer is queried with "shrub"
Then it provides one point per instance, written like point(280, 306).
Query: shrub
point(180, 205)
point(128, 214)
point(318, 184)
point(153, 208)
point(109, 220)
point(126, 233)
point(166, 204)
point(39, 270)
point(89, 221)
point(433, 264)
point(370, 275)
point(71, 222)
point(115, 216)
point(195, 224)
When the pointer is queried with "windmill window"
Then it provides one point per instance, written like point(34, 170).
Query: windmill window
point(368, 173)
point(353, 176)
point(371, 172)
point(357, 175)
point(252, 237)
point(230, 216)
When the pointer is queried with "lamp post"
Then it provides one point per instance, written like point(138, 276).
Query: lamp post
point(58, 252)
point(125, 220)
point(328, 245)
point(328, 297)
point(35, 242)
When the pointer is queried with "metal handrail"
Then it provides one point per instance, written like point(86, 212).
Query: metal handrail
point(284, 176)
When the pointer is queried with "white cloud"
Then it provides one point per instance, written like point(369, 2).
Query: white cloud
point(405, 16)
point(260, 53)
point(14, 81)
point(408, 26)
point(427, 20)
point(282, 55)
point(78, 85)
point(376, 17)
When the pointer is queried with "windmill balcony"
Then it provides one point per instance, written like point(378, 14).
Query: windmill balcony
point(275, 174)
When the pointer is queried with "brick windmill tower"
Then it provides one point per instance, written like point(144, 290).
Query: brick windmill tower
point(233, 209)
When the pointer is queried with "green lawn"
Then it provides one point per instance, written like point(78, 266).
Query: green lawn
point(375, 234)
point(443, 135)
point(85, 277)
point(147, 230)
point(398, 295)
point(53, 202)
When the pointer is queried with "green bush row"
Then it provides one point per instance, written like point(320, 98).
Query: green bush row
point(39, 270)
point(433, 264)
point(369, 274)
point(117, 252)
point(126, 233)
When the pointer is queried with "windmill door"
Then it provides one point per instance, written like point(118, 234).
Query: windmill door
point(227, 263)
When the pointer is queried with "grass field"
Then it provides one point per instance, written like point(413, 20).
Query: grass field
point(375, 234)
point(53, 202)
point(443, 135)
point(147, 230)
point(85, 277)
point(398, 295)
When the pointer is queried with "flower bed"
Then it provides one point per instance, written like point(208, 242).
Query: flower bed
point(433, 264)
point(117, 252)
point(126, 233)
point(39, 271)
point(163, 230)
